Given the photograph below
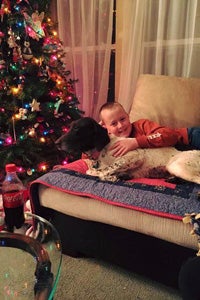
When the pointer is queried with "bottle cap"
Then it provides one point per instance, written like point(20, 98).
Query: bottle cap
point(10, 168)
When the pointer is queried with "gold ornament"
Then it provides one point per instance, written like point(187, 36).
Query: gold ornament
point(29, 172)
point(35, 106)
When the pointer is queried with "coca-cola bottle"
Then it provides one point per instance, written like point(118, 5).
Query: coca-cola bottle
point(13, 198)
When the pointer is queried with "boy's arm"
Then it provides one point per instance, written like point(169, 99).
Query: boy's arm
point(149, 134)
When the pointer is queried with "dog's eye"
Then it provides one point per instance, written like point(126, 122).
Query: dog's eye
point(92, 154)
point(88, 153)
point(75, 128)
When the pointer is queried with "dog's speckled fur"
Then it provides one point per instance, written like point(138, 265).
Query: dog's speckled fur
point(134, 164)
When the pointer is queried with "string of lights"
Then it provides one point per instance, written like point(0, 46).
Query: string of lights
point(37, 95)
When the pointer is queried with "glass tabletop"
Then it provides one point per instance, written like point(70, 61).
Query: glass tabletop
point(30, 260)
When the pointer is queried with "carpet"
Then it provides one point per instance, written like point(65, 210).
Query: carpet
point(90, 279)
point(80, 279)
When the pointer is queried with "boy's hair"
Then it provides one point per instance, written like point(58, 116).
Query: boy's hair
point(109, 105)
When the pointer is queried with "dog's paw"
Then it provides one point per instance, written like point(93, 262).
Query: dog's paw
point(124, 176)
point(112, 178)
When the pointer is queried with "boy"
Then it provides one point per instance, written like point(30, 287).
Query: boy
point(143, 133)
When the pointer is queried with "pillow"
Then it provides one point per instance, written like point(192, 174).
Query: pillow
point(167, 100)
point(77, 165)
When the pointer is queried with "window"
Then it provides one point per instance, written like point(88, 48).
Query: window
point(111, 87)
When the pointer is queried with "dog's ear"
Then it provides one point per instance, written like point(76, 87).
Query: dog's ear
point(90, 134)
point(101, 137)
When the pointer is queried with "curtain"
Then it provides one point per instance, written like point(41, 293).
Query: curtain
point(85, 27)
point(159, 37)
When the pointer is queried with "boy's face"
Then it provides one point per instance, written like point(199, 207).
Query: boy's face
point(117, 121)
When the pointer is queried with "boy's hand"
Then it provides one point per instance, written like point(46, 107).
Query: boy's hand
point(123, 146)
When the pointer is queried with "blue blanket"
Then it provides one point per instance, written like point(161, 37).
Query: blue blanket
point(159, 200)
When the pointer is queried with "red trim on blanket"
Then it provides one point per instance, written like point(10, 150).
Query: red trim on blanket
point(154, 181)
point(81, 167)
point(148, 211)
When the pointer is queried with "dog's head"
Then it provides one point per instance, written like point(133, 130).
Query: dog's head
point(85, 134)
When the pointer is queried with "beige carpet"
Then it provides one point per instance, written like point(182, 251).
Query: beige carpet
point(88, 279)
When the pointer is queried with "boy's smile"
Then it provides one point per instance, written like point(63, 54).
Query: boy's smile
point(117, 122)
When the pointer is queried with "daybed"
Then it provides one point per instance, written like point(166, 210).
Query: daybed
point(135, 224)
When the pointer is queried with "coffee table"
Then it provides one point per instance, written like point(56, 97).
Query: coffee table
point(30, 260)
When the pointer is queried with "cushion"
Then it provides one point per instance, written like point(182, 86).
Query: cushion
point(77, 165)
point(167, 100)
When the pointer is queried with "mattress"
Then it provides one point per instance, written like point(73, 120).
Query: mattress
point(152, 207)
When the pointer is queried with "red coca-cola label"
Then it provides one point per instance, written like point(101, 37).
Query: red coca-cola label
point(13, 199)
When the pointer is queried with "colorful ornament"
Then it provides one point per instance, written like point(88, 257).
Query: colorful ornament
point(11, 40)
point(35, 106)
point(3, 86)
point(42, 126)
point(24, 2)
point(2, 61)
point(31, 132)
point(50, 48)
point(58, 106)
point(27, 53)
point(44, 72)
point(52, 45)
point(34, 23)
point(29, 172)
point(16, 54)
point(22, 113)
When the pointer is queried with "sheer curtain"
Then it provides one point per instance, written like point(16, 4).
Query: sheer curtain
point(85, 27)
point(158, 37)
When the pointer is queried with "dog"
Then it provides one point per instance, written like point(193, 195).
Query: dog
point(86, 135)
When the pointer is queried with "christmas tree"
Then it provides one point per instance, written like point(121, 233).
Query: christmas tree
point(37, 97)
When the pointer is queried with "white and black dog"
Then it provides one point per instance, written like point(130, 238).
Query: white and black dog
point(86, 135)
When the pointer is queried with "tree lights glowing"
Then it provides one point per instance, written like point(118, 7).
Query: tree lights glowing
point(37, 98)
